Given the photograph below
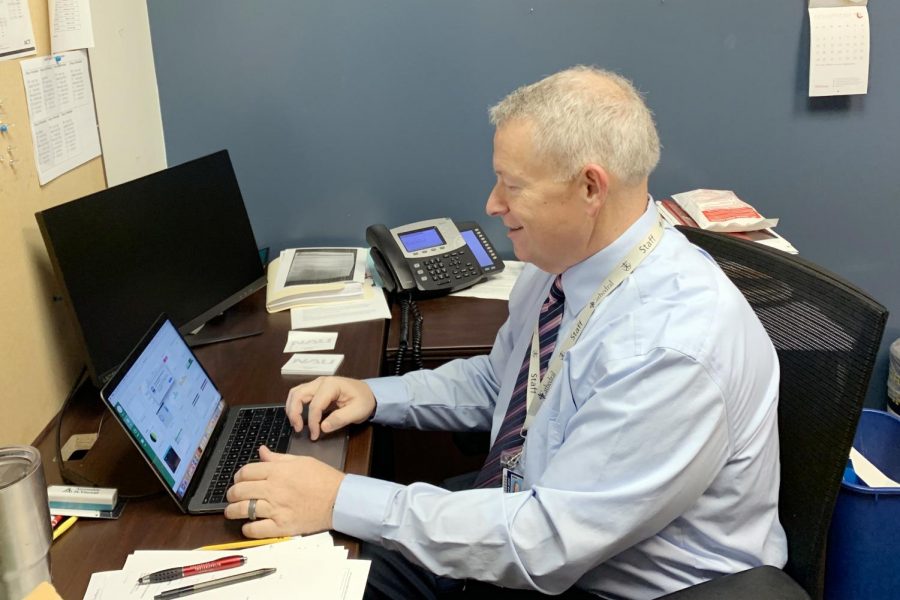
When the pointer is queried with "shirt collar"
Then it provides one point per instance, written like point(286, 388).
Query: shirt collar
point(580, 281)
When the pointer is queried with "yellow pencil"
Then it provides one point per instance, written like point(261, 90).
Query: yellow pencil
point(245, 544)
point(64, 527)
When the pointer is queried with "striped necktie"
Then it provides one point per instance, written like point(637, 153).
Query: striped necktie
point(509, 438)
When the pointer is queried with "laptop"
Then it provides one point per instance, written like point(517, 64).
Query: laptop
point(176, 417)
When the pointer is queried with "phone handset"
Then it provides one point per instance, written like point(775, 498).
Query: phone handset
point(389, 260)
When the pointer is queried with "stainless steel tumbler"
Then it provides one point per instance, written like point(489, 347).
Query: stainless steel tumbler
point(25, 534)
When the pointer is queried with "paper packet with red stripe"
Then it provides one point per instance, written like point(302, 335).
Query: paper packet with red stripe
point(721, 210)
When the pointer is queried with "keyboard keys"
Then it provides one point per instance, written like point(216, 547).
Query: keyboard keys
point(254, 427)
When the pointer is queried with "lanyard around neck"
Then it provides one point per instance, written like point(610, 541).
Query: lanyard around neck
point(537, 386)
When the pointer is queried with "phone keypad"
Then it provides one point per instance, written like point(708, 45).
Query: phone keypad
point(447, 269)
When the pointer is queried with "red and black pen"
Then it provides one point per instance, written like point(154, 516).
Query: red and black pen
point(226, 562)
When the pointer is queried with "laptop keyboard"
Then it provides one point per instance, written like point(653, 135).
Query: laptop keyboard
point(253, 428)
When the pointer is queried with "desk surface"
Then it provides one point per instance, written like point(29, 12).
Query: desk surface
point(452, 327)
point(247, 371)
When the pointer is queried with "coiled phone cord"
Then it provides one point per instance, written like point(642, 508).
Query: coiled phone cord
point(403, 344)
point(407, 305)
point(416, 335)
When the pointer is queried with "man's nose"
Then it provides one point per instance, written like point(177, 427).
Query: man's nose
point(495, 205)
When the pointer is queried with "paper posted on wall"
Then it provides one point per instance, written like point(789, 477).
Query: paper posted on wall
point(838, 47)
point(16, 32)
point(61, 110)
point(71, 26)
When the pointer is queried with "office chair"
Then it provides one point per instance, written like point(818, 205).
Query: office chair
point(827, 333)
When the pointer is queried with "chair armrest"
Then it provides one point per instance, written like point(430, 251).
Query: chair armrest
point(760, 582)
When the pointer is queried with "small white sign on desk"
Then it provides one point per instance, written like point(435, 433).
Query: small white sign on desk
point(308, 341)
point(838, 47)
point(312, 364)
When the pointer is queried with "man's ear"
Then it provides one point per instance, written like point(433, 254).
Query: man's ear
point(595, 182)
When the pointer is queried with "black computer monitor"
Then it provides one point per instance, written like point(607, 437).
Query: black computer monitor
point(178, 241)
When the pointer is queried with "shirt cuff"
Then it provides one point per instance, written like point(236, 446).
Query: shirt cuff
point(360, 506)
point(391, 402)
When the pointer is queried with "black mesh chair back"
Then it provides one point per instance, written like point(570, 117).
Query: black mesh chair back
point(827, 333)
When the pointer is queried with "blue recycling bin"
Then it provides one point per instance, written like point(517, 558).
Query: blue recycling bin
point(865, 530)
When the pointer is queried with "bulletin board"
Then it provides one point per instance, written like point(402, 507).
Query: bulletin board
point(40, 355)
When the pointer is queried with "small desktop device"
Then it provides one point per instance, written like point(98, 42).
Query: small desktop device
point(177, 241)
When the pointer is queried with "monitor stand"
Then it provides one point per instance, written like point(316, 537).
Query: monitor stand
point(235, 323)
point(202, 338)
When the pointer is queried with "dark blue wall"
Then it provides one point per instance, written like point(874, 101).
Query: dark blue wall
point(342, 113)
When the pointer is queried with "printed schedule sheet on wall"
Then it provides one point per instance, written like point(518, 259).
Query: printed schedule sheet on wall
point(61, 109)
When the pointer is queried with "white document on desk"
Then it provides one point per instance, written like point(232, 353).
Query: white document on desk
point(372, 306)
point(497, 287)
point(311, 571)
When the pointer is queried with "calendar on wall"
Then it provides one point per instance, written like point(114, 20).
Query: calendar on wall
point(838, 48)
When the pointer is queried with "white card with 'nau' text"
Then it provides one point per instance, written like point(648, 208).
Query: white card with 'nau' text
point(309, 341)
point(312, 364)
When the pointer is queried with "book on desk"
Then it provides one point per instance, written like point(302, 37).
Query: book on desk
point(299, 276)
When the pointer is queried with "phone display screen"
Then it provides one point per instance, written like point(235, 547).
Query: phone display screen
point(421, 239)
point(477, 249)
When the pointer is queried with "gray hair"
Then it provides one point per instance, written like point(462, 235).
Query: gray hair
point(586, 115)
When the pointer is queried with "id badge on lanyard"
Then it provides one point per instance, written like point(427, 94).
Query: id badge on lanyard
point(510, 479)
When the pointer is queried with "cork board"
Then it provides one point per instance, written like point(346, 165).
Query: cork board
point(40, 356)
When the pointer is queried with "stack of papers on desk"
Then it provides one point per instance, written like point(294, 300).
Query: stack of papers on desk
point(300, 276)
point(496, 287)
point(675, 214)
point(306, 567)
point(371, 306)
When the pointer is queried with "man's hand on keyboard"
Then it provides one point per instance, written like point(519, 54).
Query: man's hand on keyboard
point(294, 495)
point(340, 400)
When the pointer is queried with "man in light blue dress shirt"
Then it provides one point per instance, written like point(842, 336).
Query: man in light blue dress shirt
point(652, 463)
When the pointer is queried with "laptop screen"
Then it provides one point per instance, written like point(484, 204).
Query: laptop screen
point(168, 404)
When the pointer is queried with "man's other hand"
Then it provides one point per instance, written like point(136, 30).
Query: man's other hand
point(293, 494)
point(343, 400)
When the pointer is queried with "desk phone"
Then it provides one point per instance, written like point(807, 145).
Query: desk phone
point(432, 257)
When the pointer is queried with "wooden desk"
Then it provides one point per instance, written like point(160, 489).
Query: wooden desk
point(452, 328)
point(247, 371)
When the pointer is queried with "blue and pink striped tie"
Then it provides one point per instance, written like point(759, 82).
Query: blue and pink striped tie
point(509, 438)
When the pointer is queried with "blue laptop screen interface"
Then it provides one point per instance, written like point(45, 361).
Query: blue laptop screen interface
point(169, 406)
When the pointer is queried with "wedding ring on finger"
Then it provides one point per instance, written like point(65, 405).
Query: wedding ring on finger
point(251, 510)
